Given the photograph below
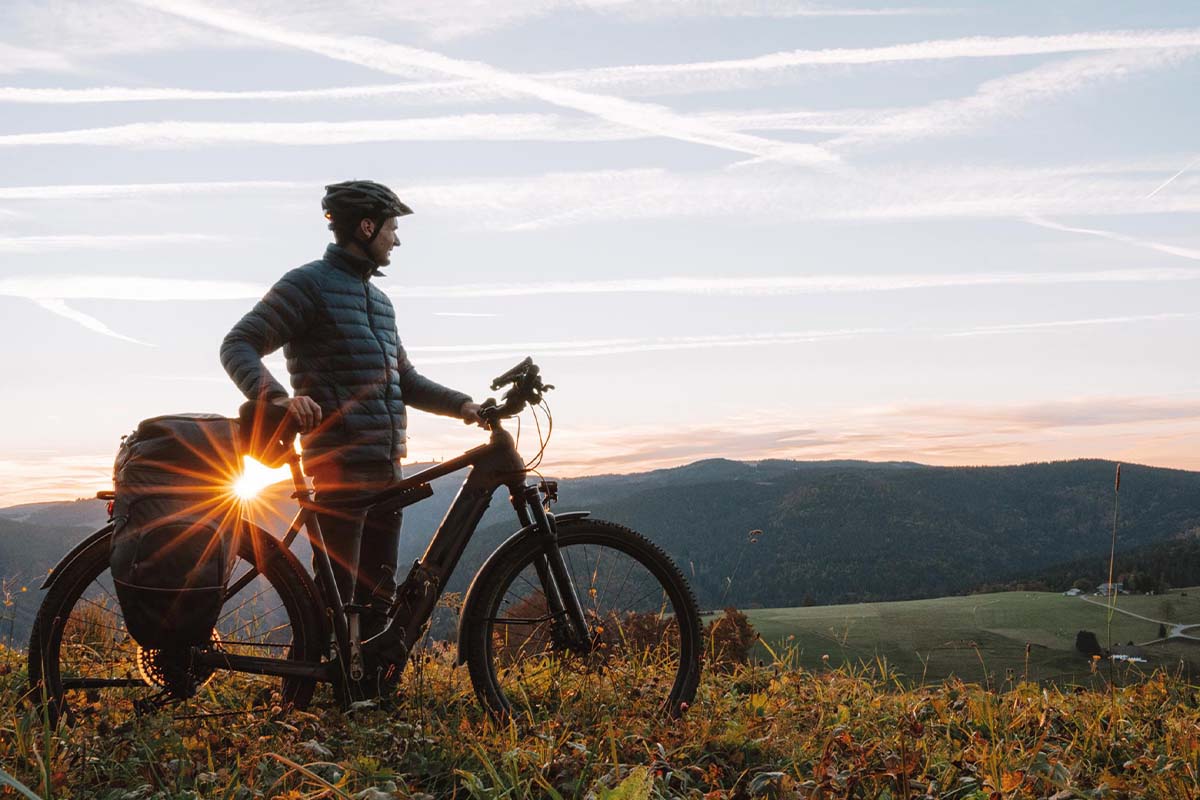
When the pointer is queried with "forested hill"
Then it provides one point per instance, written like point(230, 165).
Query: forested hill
point(832, 531)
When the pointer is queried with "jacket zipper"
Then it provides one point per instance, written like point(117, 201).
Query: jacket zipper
point(387, 369)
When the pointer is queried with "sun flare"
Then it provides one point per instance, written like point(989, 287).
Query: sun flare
point(255, 477)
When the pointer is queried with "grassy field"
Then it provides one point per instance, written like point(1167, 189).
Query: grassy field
point(770, 731)
point(978, 637)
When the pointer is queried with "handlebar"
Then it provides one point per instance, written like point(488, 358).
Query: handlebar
point(527, 388)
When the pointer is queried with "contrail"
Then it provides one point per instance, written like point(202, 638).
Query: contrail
point(57, 306)
point(397, 59)
point(1183, 252)
point(1171, 179)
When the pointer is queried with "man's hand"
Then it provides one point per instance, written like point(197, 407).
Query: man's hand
point(304, 411)
point(470, 414)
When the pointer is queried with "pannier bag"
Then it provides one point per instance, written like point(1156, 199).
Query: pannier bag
point(176, 527)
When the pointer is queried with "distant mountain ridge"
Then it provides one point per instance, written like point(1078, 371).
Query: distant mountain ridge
point(837, 531)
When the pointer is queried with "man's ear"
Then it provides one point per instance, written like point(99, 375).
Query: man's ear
point(366, 227)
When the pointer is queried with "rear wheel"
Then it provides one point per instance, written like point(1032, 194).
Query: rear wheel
point(644, 647)
point(84, 665)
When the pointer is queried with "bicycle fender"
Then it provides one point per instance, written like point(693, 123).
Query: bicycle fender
point(74, 554)
point(487, 565)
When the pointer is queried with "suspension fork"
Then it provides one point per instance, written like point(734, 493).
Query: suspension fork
point(561, 597)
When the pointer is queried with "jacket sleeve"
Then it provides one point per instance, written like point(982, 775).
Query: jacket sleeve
point(422, 393)
point(284, 312)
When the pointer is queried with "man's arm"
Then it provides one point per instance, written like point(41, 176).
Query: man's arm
point(427, 395)
point(282, 314)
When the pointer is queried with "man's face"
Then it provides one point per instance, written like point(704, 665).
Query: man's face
point(380, 249)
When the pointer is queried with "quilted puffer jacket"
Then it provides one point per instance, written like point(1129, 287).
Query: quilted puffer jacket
point(338, 332)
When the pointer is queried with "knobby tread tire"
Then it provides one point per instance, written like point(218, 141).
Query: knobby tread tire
point(517, 553)
point(281, 569)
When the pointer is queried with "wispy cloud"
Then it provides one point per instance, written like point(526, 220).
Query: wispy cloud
point(118, 287)
point(37, 477)
point(25, 59)
point(809, 284)
point(771, 67)
point(688, 77)
point(463, 127)
point(1038, 327)
point(44, 244)
point(463, 354)
point(459, 127)
point(1175, 250)
point(452, 91)
point(397, 59)
point(123, 287)
point(1010, 95)
point(57, 306)
point(950, 434)
point(104, 191)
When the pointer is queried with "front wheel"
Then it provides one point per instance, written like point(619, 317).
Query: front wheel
point(643, 649)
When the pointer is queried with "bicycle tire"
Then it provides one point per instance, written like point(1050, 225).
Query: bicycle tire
point(80, 604)
point(644, 659)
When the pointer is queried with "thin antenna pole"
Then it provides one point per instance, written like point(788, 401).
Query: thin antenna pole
point(1112, 557)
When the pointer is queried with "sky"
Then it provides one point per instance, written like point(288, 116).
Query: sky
point(946, 232)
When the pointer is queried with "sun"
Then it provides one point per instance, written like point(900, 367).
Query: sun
point(255, 477)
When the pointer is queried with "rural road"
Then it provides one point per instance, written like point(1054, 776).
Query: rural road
point(1175, 629)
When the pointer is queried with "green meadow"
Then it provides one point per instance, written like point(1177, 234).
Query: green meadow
point(996, 637)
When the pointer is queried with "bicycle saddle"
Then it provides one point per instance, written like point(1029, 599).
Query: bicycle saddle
point(266, 432)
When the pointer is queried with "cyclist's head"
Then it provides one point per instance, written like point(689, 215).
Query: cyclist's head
point(364, 213)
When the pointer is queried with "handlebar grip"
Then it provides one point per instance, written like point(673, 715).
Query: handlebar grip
point(514, 373)
point(266, 431)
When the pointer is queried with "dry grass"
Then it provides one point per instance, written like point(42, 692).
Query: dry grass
point(774, 730)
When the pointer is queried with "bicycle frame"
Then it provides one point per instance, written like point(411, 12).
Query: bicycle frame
point(491, 465)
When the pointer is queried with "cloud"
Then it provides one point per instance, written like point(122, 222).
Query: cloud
point(25, 59)
point(449, 91)
point(808, 284)
point(460, 127)
point(1009, 96)
point(397, 59)
point(45, 244)
point(705, 76)
point(37, 477)
point(105, 191)
point(888, 193)
point(1035, 327)
point(149, 289)
point(121, 287)
point(57, 306)
point(684, 78)
point(1145, 429)
point(166, 134)
point(463, 354)
point(1175, 250)
point(83, 30)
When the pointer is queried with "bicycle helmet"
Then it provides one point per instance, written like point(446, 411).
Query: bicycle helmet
point(348, 202)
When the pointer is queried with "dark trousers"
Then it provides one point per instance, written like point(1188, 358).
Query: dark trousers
point(364, 542)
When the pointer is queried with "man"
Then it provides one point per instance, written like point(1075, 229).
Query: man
point(352, 382)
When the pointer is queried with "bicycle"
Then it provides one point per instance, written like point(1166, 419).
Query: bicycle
point(566, 608)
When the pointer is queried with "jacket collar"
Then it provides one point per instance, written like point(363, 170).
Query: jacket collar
point(346, 261)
